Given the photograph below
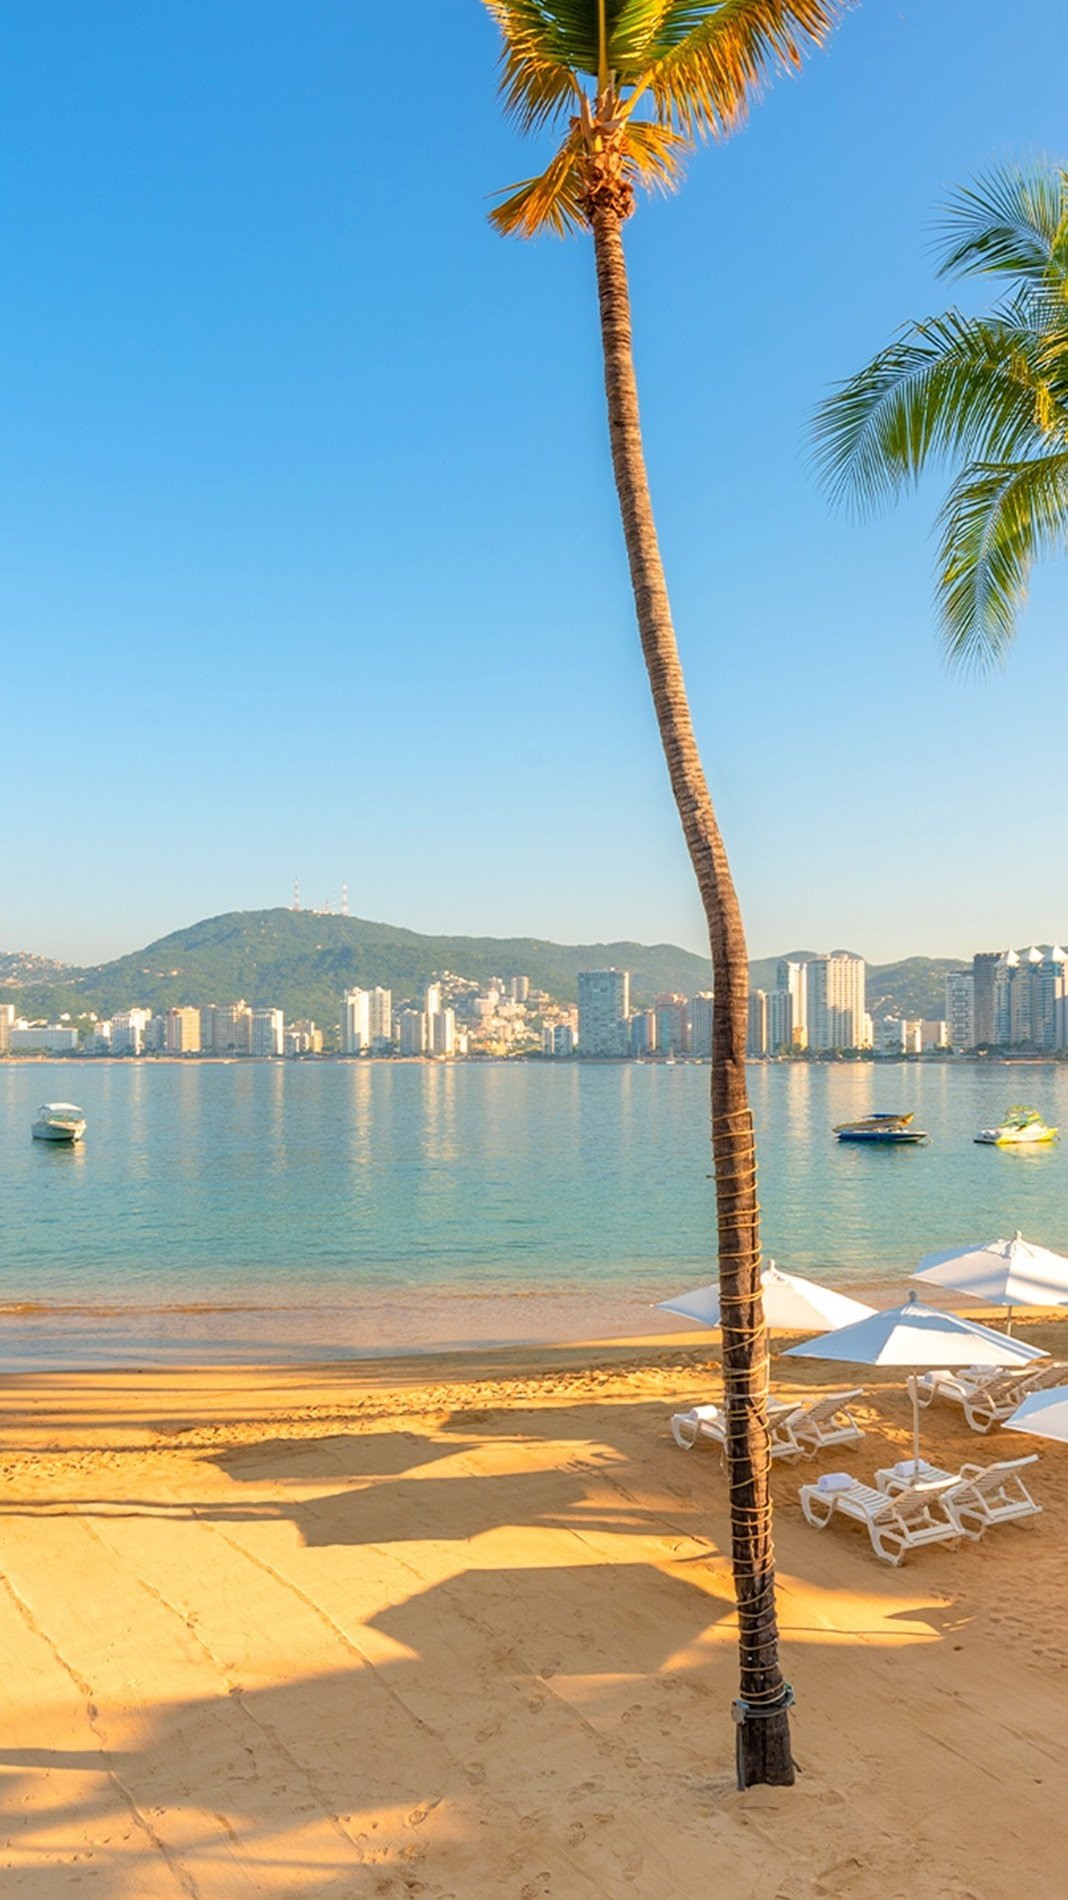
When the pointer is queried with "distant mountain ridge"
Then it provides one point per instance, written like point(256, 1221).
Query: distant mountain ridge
point(302, 962)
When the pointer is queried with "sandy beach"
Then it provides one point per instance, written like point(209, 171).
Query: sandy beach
point(462, 1626)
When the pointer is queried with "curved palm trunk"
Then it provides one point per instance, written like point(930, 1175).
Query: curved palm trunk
point(764, 1730)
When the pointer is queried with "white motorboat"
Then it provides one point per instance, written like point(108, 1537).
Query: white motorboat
point(58, 1121)
point(1022, 1127)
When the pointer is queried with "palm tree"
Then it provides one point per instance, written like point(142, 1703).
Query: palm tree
point(986, 395)
point(633, 83)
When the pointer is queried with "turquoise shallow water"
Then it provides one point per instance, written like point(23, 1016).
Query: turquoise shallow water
point(251, 1210)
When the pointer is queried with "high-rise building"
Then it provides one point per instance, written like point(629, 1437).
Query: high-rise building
point(701, 1007)
point(604, 1006)
point(781, 1038)
point(793, 978)
point(960, 1009)
point(411, 1032)
point(128, 1028)
point(1004, 984)
point(643, 1032)
point(441, 1032)
point(432, 999)
point(380, 1017)
point(756, 1041)
point(267, 1033)
point(181, 1036)
point(233, 1029)
point(520, 987)
point(671, 1013)
point(355, 1022)
point(984, 965)
point(835, 1002)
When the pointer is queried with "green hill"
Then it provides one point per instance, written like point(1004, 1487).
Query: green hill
point(302, 963)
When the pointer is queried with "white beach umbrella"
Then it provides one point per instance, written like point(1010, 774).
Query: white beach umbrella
point(1001, 1272)
point(1045, 1414)
point(915, 1335)
point(791, 1304)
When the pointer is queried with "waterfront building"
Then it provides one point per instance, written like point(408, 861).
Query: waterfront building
point(155, 1034)
point(984, 966)
point(432, 999)
point(233, 1029)
point(411, 1032)
point(1049, 987)
point(7, 1018)
point(892, 1036)
point(835, 1002)
point(302, 1038)
point(700, 1023)
point(355, 1022)
point(934, 1035)
point(793, 977)
point(643, 1032)
point(671, 1013)
point(267, 1033)
point(756, 1041)
point(39, 1039)
point(1004, 984)
point(441, 1032)
point(781, 1037)
point(128, 1028)
point(181, 1034)
point(604, 1009)
point(960, 1009)
point(380, 1017)
point(563, 1039)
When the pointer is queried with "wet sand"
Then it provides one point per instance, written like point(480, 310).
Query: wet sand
point(461, 1626)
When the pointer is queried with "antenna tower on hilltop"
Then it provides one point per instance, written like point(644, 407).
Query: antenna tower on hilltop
point(344, 900)
point(296, 893)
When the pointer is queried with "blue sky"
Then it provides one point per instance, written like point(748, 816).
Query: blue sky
point(310, 549)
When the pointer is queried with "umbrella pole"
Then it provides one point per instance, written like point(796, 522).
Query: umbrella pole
point(1008, 1325)
point(914, 1394)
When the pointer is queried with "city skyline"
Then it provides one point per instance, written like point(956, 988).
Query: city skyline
point(291, 568)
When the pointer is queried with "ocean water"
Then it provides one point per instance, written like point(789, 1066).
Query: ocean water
point(251, 1210)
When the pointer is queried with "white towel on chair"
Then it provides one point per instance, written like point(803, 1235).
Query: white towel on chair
point(835, 1481)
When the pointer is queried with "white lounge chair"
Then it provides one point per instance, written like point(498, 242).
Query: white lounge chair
point(989, 1395)
point(826, 1421)
point(977, 1495)
point(710, 1422)
point(895, 1524)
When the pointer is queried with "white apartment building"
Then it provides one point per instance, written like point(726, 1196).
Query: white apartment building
point(781, 1037)
point(128, 1028)
point(355, 1022)
point(960, 1009)
point(441, 1032)
point(835, 1002)
point(380, 1017)
point(604, 1007)
point(792, 977)
point(267, 1033)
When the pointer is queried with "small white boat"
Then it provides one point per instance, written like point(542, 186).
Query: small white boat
point(1022, 1128)
point(58, 1121)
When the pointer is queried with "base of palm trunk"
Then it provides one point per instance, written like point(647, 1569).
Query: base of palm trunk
point(762, 1745)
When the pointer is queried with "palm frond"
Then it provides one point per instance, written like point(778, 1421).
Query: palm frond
point(654, 153)
point(704, 78)
point(998, 519)
point(952, 385)
point(538, 63)
point(550, 202)
point(1009, 222)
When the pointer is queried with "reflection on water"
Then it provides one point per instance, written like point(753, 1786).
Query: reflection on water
point(336, 1188)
